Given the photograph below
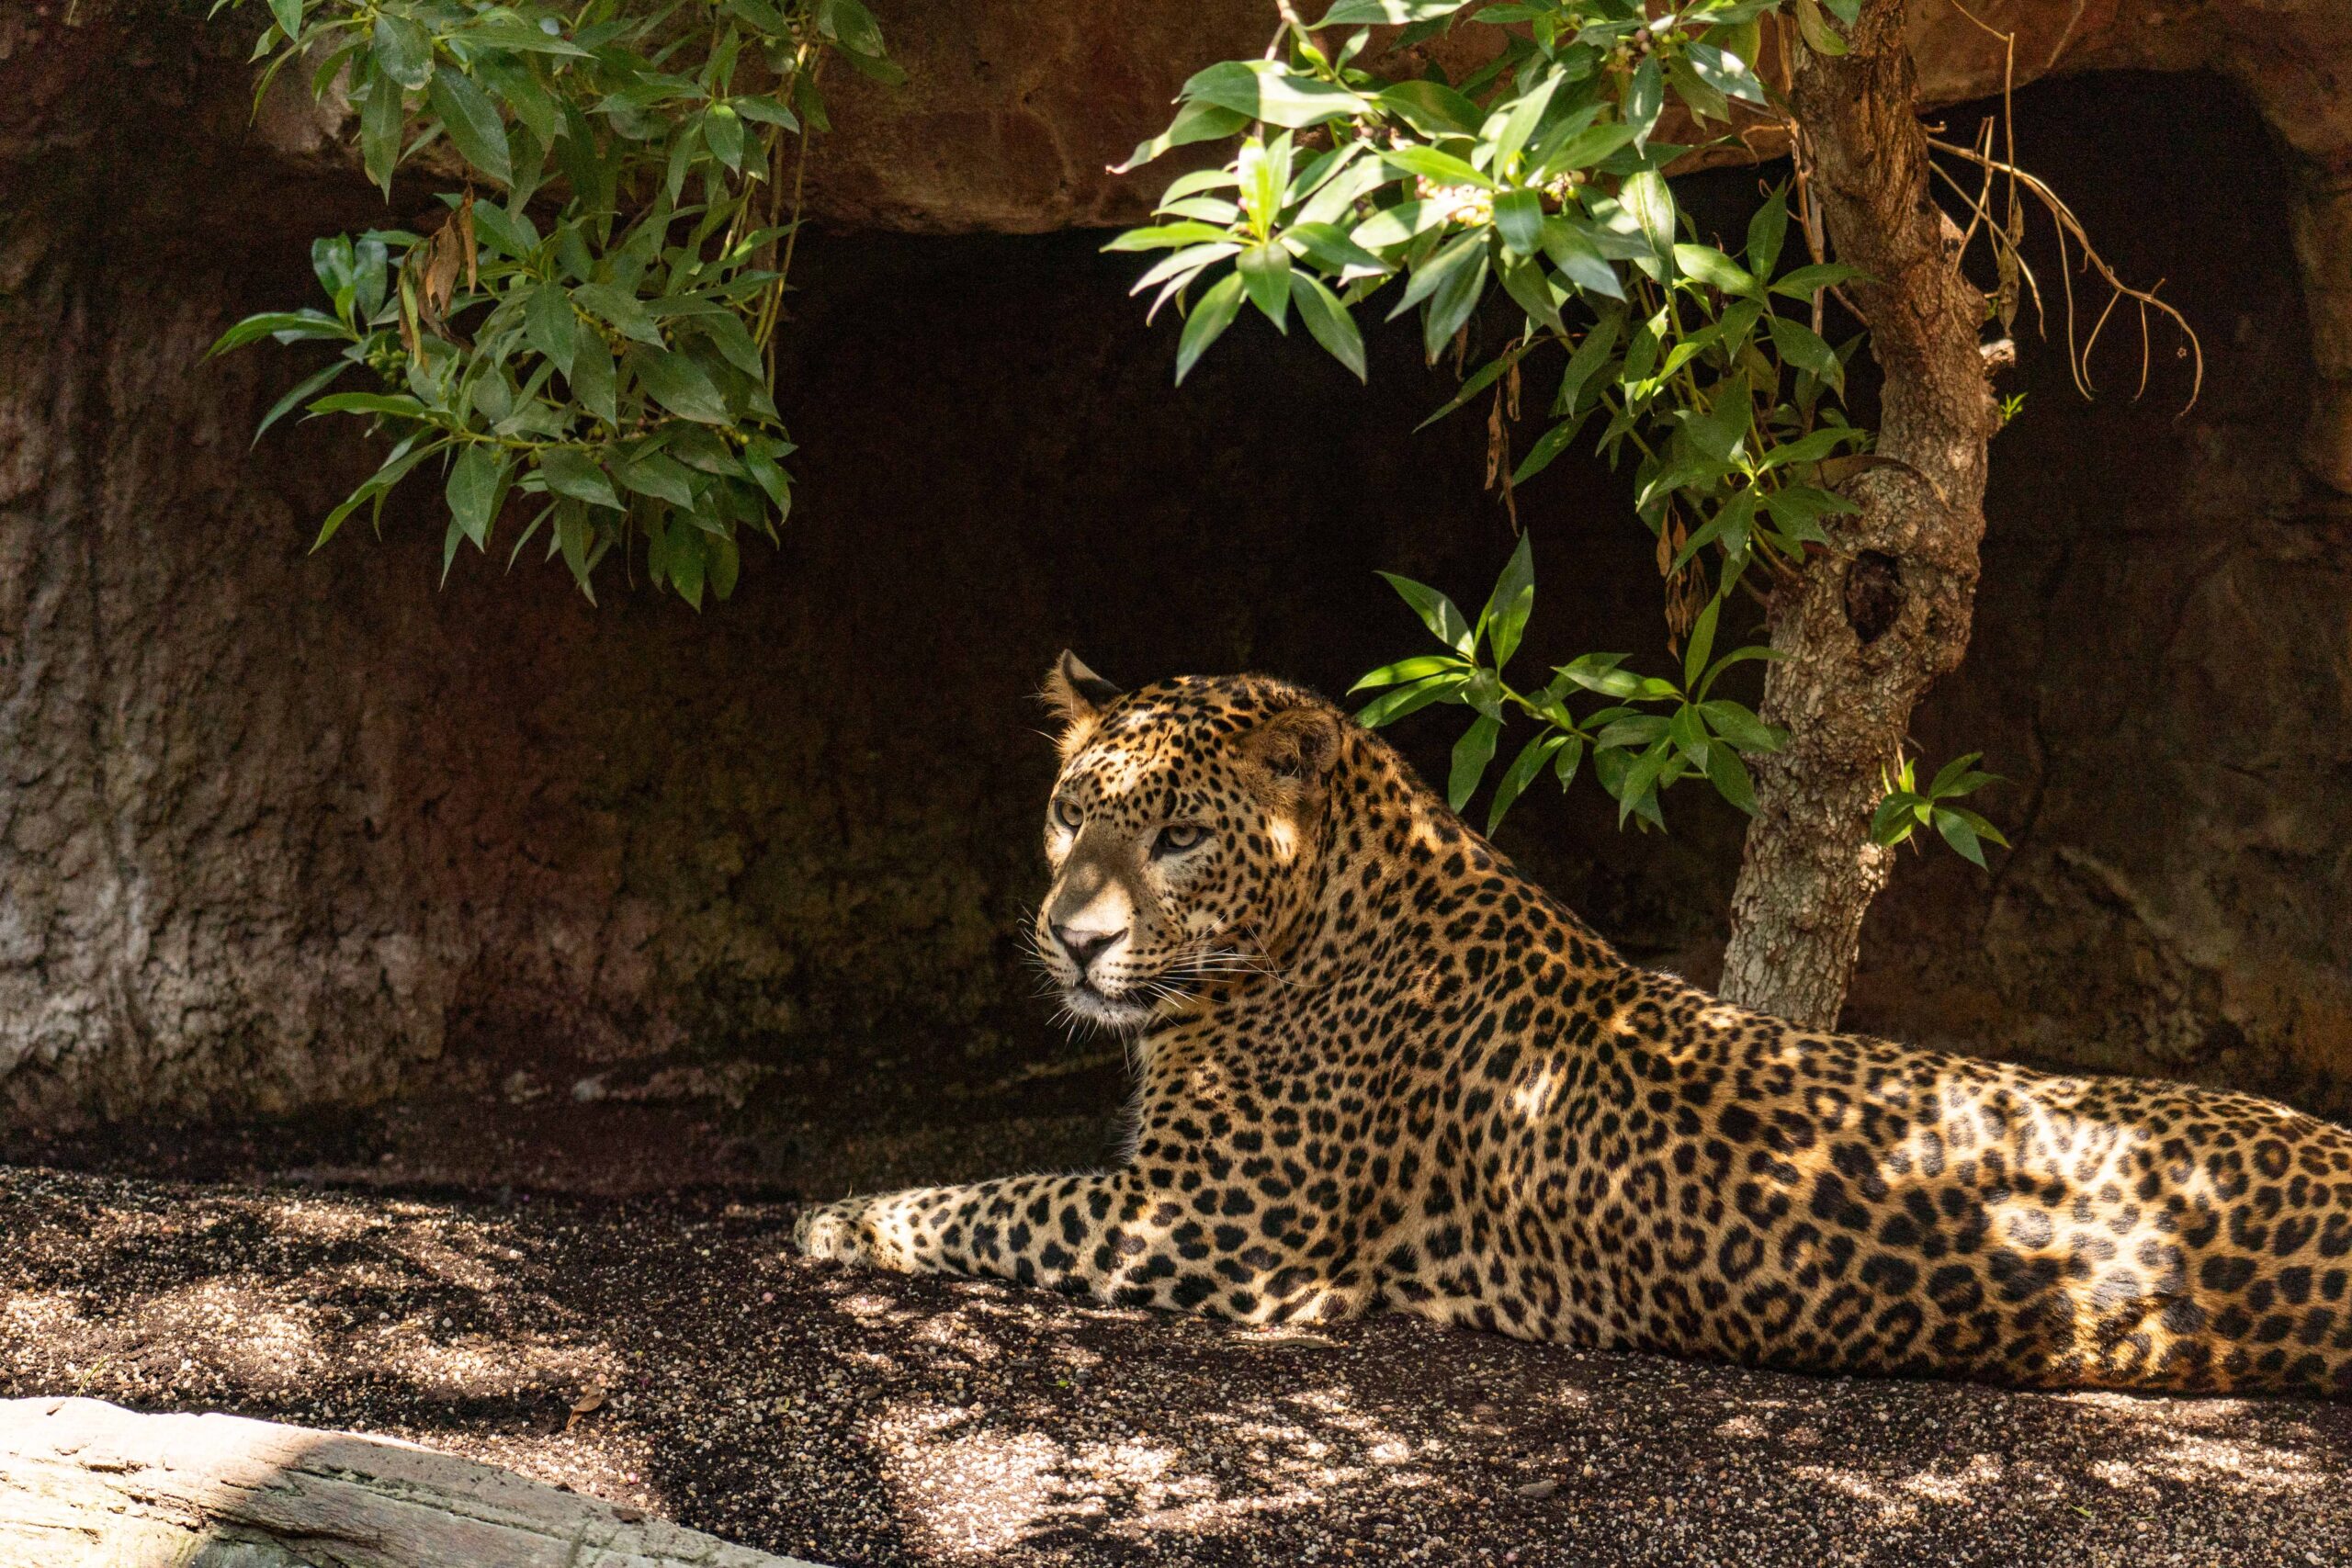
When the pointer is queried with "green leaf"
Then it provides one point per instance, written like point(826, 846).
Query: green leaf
point(477, 481)
point(1519, 218)
point(1437, 612)
point(1485, 376)
point(680, 385)
point(288, 13)
point(1166, 236)
point(1741, 728)
point(1265, 90)
point(769, 477)
point(1520, 773)
point(285, 326)
point(1812, 448)
point(657, 475)
point(1193, 122)
point(1974, 823)
point(1431, 107)
point(1689, 735)
point(1644, 99)
point(1525, 112)
point(1801, 283)
point(1189, 260)
point(725, 560)
point(1700, 96)
point(398, 404)
point(1723, 430)
point(549, 326)
point(379, 130)
point(1442, 168)
point(395, 468)
point(1750, 654)
point(620, 310)
point(1590, 354)
point(592, 377)
point(1894, 819)
point(1504, 619)
point(1396, 225)
point(1265, 275)
point(1600, 672)
point(1390, 707)
point(1329, 247)
point(1532, 290)
point(1578, 259)
point(722, 128)
point(766, 111)
point(1800, 346)
point(1724, 71)
point(1729, 775)
point(1960, 834)
point(1701, 643)
point(1592, 145)
point(300, 394)
point(1711, 267)
point(403, 51)
point(1639, 782)
point(1470, 755)
point(569, 472)
point(1421, 667)
point(1957, 778)
point(1548, 447)
point(1456, 295)
point(1387, 13)
point(1646, 199)
point(1818, 35)
point(1207, 323)
point(1765, 231)
point(1329, 320)
point(472, 122)
point(1564, 767)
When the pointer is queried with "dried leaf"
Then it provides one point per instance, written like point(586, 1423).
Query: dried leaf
point(466, 234)
point(592, 1399)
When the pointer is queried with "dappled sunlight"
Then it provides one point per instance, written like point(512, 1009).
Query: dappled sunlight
point(674, 1358)
point(973, 1485)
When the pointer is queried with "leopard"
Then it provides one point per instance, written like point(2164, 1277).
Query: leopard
point(1377, 1069)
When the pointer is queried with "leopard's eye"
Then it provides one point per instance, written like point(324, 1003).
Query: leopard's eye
point(1178, 837)
point(1067, 813)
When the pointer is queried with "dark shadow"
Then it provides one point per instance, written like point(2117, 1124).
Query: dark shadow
point(857, 1418)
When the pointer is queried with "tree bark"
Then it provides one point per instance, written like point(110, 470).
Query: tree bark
point(1882, 613)
point(84, 1484)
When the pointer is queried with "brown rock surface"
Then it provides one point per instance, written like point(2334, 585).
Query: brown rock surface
point(280, 831)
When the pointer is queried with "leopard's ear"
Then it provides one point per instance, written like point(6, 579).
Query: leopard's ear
point(1300, 743)
point(1077, 694)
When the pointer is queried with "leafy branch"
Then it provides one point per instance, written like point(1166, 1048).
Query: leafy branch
point(1907, 808)
point(591, 342)
point(1542, 172)
point(1652, 732)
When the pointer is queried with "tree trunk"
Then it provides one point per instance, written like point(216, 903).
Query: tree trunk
point(84, 1484)
point(1885, 609)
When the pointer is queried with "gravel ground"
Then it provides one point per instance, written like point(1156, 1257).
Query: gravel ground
point(664, 1351)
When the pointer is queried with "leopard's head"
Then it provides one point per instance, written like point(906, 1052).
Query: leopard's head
point(1186, 836)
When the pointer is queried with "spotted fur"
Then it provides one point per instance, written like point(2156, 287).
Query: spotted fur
point(1380, 1068)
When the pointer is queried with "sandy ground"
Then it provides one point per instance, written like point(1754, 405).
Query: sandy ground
point(662, 1350)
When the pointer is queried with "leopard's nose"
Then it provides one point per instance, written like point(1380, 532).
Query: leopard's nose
point(1084, 945)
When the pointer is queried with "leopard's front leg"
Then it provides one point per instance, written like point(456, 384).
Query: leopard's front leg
point(1087, 1234)
point(1112, 1236)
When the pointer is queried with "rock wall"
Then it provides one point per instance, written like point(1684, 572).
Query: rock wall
point(280, 831)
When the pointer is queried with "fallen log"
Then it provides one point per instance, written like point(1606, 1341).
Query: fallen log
point(88, 1484)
